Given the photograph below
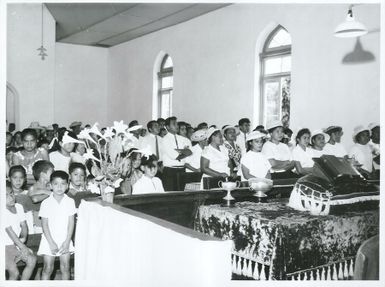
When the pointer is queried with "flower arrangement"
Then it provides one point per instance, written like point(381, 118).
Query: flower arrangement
point(108, 164)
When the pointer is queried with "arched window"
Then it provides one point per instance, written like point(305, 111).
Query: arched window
point(165, 79)
point(275, 76)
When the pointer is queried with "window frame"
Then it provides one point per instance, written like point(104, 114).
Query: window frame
point(269, 53)
point(163, 73)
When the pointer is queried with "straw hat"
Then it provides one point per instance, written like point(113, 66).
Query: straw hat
point(75, 124)
point(210, 131)
point(319, 132)
point(36, 126)
point(255, 135)
point(199, 135)
point(332, 129)
point(359, 129)
point(274, 124)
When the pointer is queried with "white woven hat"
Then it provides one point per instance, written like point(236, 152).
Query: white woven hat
point(359, 129)
point(210, 131)
point(320, 132)
point(199, 135)
point(274, 124)
point(255, 135)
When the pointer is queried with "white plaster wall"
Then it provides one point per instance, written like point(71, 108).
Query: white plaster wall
point(80, 84)
point(32, 78)
point(216, 76)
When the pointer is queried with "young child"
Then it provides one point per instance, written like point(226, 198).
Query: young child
point(42, 171)
point(148, 183)
point(57, 213)
point(61, 158)
point(17, 230)
point(77, 173)
point(17, 178)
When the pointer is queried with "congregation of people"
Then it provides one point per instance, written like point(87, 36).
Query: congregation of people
point(47, 168)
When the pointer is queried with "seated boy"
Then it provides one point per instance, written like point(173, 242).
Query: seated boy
point(17, 230)
point(42, 171)
point(40, 190)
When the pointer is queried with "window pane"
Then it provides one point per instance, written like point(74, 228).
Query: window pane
point(165, 104)
point(285, 92)
point(277, 65)
point(286, 64)
point(281, 38)
point(167, 82)
point(168, 63)
point(272, 101)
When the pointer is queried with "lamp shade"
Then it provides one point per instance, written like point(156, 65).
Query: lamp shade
point(350, 28)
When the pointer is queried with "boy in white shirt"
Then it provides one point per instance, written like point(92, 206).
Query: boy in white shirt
point(148, 183)
point(17, 231)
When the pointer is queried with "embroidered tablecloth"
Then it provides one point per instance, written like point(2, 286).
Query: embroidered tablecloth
point(285, 239)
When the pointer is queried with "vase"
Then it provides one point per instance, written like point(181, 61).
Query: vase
point(107, 193)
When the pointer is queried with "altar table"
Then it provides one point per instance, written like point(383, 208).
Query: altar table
point(272, 241)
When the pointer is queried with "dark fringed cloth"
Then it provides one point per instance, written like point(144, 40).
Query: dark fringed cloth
point(286, 240)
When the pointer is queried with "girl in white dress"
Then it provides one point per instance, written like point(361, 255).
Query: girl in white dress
point(278, 153)
point(254, 164)
point(361, 151)
point(302, 153)
point(148, 183)
point(215, 157)
point(318, 142)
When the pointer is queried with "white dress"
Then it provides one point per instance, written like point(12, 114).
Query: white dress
point(278, 151)
point(336, 149)
point(219, 159)
point(305, 157)
point(147, 185)
point(195, 159)
point(257, 164)
point(57, 215)
point(60, 161)
point(317, 153)
point(362, 154)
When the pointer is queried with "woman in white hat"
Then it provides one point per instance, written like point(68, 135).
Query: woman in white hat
point(234, 149)
point(361, 152)
point(254, 164)
point(278, 153)
point(302, 154)
point(193, 162)
point(318, 142)
point(215, 158)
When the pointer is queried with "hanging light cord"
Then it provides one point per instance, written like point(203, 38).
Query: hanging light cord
point(42, 23)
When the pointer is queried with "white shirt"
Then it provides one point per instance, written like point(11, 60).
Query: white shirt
point(305, 157)
point(336, 149)
point(257, 164)
point(148, 185)
point(278, 151)
point(76, 157)
point(317, 153)
point(60, 161)
point(57, 215)
point(149, 141)
point(219, 159)
point(195, 159)
point(362, 154)
point(375, 148)
point(14, 220)
point(241, 141)
point(168, 145)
